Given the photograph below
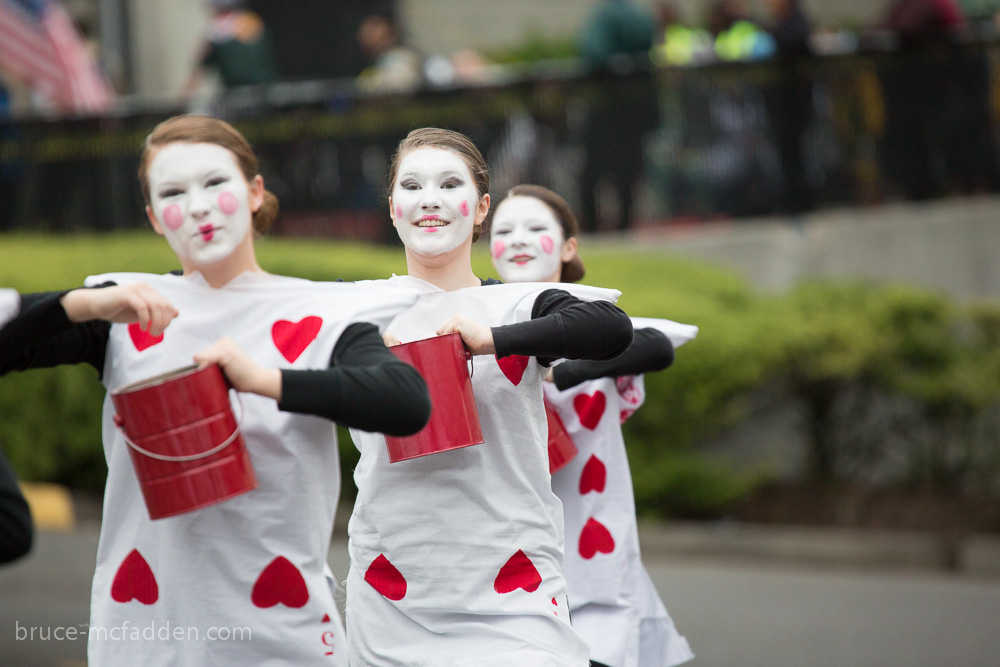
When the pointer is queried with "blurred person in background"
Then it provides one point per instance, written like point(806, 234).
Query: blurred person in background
point(615, 44)
point(920, 91)
point(237, 48)
point(395, 67)
point(737, 36)
point(789, 99)
point(614, 604)
point(16, 527)
point(679, 44)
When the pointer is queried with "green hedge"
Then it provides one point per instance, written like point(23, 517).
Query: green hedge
point(896, 385)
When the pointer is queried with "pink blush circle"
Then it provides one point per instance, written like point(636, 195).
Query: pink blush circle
point(228, 203)
point(399, 212)
point(498, 248)
point(547, 244)
point(463, 208)
point(172, 217)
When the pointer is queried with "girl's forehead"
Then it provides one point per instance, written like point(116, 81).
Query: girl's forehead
point(183, 156)
point(430, 159)
point(519, 209)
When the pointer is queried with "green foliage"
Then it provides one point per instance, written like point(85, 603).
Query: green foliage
point(533, 47)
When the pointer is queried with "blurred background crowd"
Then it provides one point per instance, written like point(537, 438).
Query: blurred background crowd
point(639, 112)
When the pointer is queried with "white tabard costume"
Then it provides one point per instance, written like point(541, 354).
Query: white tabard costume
point(245, 581)
point(615, 605)
point(456, 557)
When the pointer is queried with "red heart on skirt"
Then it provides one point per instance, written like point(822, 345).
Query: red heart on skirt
point(135, 580)
point(386, 579)
point(280, 582)
point(594, 475)
point(517, 572)
point(590, 408)
point(595, 537)
point(292, 338)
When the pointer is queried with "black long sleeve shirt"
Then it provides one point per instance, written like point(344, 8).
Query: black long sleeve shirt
point(16, 528)
point(650, 351)
point(565, 327)
point(365, 386)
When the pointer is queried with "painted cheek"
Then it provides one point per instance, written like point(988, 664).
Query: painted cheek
point(172, 217)
point(463, 208)
point(498, 248)
point(228, 203)
point(547, 245)
point(399, 212)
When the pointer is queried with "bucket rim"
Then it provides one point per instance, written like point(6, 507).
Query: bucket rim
point(160, 379)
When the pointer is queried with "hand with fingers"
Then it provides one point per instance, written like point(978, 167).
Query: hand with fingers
point(243, 373)
point(137, 302)
point(478, 338)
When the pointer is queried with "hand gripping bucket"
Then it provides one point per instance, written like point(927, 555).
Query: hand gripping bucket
point(454, 423)
point(562, 449)
point(183, 439)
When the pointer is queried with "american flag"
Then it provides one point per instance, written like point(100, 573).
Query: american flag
point(40, 45)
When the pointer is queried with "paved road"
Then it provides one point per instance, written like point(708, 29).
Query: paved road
point(734, 612)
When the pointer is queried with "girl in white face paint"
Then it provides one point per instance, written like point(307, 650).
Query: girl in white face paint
point(533, 237)
point(439, 197)
point(614, 605)
point(207, 200)
point(439, 543)
point(303, 355)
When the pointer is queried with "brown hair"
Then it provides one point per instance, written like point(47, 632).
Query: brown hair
point(572, 270)
point(200, 129)
point(433, 137)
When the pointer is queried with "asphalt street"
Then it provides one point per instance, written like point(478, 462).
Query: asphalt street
point(734, 611)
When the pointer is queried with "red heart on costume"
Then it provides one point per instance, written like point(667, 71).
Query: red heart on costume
point(280, 582)
point(141, 339)
point(594, 475)
point(513, 367)
point(595, 537)
point(517, 572)
point(590, 408)
point(386, 579)
point(292, 338)
point(135, 581)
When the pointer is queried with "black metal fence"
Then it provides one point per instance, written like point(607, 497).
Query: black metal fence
point(721, 140)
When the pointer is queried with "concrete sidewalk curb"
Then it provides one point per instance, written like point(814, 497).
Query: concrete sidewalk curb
point(973, 554)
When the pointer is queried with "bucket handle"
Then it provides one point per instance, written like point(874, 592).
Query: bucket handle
point(189, 457)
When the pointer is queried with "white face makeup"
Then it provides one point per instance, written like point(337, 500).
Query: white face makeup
point(201, 201)
point(526, 241)
point(434, 201)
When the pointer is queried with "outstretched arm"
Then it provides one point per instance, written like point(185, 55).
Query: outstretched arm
point(366, 386)
point(650, 351)
point(565, 327)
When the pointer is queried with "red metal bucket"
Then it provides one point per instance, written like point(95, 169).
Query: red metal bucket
point(454, 423)
point(184, 441)
point(562, 449)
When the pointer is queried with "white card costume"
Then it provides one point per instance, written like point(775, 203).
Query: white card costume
point(615, 605)
point(10, 305)
point(456, 557)
point(245, 581)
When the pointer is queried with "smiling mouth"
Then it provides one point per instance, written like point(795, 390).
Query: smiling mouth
point(521, 260)
point(431, 224)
